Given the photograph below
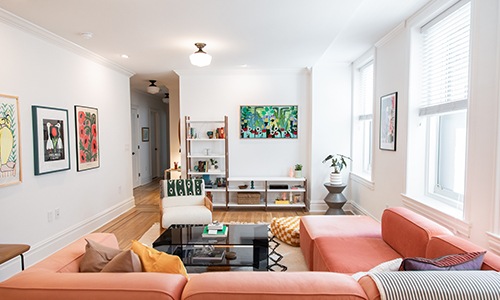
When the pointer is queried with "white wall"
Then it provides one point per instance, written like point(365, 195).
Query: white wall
point(40, 73)
point(392, 74)
point(145, 103)
point(207, 95)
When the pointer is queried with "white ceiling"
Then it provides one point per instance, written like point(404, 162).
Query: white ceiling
point(159, 35)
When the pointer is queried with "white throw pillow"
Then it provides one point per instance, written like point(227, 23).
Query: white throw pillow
point(388, 266)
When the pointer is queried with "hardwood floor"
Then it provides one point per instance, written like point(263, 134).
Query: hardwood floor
point(134, 223)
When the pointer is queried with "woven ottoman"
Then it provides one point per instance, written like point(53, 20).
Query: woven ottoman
point(287, 229)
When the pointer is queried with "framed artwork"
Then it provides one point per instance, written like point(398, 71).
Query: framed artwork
point(268, 121)
point(10, 141)
point(145, 134)
point(87, 138)
point(50, 139)
point(388, 121)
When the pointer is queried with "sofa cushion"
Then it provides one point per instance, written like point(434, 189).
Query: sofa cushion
point(126, 261)
point(408, 232)
point(450, 244)
point(312, 227)
point(155, 261)
point(350, 254)
point(463, 261)
point(96, 256)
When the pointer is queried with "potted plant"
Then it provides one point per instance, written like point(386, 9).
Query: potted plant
point(338, 163)
point(298, 171)
point(213, 164)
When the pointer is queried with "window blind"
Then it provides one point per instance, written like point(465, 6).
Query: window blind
point(366, 91)
point(445, 64)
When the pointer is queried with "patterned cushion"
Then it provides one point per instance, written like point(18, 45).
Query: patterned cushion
point(464, 261)
point(287, 230)
point(184, 187)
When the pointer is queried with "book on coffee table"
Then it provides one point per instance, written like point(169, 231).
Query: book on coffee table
point(213, 233)
point(208, 255)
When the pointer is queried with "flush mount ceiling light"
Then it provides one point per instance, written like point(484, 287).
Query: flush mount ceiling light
point(200, 58)
point(152, 88)
point(166, 98)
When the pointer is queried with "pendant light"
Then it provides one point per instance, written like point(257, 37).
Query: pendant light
point(200, 58)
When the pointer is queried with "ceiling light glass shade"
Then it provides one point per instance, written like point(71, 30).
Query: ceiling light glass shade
point(152, 88)
point(200, 58)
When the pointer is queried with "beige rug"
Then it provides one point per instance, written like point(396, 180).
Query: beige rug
point(292, 256)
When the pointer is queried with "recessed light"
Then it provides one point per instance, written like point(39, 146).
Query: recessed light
point(87, 35)
point(124, 56)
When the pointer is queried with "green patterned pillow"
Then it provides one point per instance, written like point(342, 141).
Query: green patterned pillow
point(184, 187)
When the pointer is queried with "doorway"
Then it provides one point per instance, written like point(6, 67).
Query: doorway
point(134, 114)
point(155, 143)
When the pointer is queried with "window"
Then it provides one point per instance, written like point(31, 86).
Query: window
point(444, 91)
point(363, 119)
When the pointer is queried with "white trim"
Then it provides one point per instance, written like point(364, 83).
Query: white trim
point(46, 247)
point(494, 242)
point(392, 34)
point(358, 210)
point(457, 226)
point(28, 27)
point(362, 180)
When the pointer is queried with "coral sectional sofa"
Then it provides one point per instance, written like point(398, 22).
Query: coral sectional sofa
point(335, 244)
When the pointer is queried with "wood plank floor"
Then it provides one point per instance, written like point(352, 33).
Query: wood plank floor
point(134, 223)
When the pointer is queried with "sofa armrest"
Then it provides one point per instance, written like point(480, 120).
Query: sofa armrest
point(95, 286)
point(208, 203)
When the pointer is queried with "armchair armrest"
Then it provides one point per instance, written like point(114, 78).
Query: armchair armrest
point(208, 203)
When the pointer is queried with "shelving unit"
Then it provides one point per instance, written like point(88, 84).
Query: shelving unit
point(294, 191)
point(201, 150)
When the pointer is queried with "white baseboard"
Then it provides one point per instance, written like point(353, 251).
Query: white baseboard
point(44, 248)
point(358, 210)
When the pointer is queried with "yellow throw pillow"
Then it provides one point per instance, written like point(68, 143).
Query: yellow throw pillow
point(155, 261)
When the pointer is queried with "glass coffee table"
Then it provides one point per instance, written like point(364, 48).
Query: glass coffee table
point(246, 245)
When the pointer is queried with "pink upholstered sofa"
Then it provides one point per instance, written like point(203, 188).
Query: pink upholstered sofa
point(328, 243)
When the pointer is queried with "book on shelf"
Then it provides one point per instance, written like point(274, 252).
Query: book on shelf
point(215, 225)
point(214, 233)
point(205, 254)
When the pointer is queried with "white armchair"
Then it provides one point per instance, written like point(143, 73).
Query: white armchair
point(183, 201)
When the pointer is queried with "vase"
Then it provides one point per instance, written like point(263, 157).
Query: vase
point(335, 178)
point(298, 173)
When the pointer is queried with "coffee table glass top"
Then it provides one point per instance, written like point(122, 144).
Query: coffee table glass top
point(247, 242)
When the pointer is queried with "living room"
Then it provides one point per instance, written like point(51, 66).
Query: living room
point(41, 73)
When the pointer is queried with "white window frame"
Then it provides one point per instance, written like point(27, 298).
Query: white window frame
point(359, 173)
point(417, 193)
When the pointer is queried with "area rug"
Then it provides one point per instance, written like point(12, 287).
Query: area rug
point(291, 259)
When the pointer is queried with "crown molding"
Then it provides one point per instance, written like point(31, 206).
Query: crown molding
point(393, 33)
point(35, 30)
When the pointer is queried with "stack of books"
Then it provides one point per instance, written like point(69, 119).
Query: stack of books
point(214, 230)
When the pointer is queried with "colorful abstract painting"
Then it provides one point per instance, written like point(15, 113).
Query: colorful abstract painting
point(269, 122)
point(87, 137)
point(10, 149)
point(50, 139)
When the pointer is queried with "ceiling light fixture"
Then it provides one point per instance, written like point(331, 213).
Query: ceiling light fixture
point(166, 98)
point(152, 88)
point(87, 35)
point(200, 58)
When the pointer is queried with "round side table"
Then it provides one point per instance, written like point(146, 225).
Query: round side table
point(335, 200)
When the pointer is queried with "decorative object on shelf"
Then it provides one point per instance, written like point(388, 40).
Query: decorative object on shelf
point(213, 164)
point(87, 138)
point(291, 172)
point(221, 181)
point(242, 187)
point(145, 134)
point(272, 121)
point(219, 133)
point(298, 171)
point(10, 142)
point(50, 135)
point(202, 166)
point(248, 198)
point(200, 58)
point(338, 163)
point(152, 88)
point(252, 186)
point(210, 134)
point(388, 121)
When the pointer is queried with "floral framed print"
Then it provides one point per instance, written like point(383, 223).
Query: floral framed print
point(10, 142)
point(87, 138)
point(50, 139)
point(388, 121)
point(269, 121)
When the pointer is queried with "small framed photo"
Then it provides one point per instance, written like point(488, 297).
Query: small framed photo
point(145, 134)
point(87, 138)
point(50, 139)
point(388, 121)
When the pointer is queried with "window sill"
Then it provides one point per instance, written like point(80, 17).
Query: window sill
point(363, 181)
point(424, 207)
point(494, 242)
